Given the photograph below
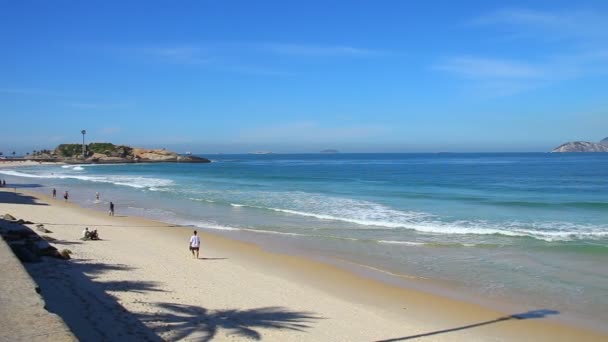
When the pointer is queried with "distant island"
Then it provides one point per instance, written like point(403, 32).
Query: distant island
point(583, 146)
point(108, 153)
point(330, 151)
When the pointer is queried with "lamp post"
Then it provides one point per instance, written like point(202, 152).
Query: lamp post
point(84, 154)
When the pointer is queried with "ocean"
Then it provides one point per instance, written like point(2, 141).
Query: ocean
point(528, 229)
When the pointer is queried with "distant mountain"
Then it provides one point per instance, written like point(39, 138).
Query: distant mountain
point(583, 146)
point(330, 151)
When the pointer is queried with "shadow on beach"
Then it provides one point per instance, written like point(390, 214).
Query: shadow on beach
point(13, 197)
point(197, 323)
point(93, 314)
point(534, 314)
point(90, 312)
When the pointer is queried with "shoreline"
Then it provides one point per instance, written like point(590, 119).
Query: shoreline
point(405, 311)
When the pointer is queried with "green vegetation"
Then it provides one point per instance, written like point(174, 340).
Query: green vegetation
point(69, 150)
point(104, 148)
point(109, 149)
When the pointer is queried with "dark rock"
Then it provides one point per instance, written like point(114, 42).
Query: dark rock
point(65, 254)
point(9, 217)
point(192, 159)
point(40, 228)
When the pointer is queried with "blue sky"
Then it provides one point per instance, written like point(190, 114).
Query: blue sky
point(301, 76)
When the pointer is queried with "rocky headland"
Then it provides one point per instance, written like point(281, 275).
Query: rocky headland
point(108, 153)
point(583, 146)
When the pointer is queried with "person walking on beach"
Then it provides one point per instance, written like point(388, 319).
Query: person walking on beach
point(195, 243)
point(111, 213)
point(66, 196)
point(97, 196)
point(54, 193)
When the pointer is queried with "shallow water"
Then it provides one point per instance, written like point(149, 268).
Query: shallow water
point(529, 228)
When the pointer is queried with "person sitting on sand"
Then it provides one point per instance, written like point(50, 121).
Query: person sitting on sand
point(89, 235)
point(195, 243)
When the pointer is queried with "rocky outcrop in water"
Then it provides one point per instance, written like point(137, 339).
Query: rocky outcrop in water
point(583, 146)
point(108, 153)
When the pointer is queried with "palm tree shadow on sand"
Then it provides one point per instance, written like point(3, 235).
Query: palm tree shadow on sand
point(199, 324)
point(534, 314)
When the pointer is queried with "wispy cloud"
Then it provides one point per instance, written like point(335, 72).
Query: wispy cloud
point(567, 47)
point(483, 68)
point(36, 91)
point(101, 105)
point(579, 24)
point(253, 58)
point(305, 50)
point(193, 55)
point(507, 77)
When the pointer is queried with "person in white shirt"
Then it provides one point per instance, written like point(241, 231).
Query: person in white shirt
point(195, 243)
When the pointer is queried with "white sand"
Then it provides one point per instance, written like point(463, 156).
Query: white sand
point(16, 163)
point(141, 282)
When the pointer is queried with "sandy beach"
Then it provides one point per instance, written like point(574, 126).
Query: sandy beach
point(140, 281)
point(20, 163)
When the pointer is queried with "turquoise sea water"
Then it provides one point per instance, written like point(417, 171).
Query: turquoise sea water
point(526, 228)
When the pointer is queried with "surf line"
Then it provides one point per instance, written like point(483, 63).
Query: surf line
point(405, 276)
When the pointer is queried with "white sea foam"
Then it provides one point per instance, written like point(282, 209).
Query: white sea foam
point(201, 200)
point(131, 181)
point(409, 243)
point(369, 215)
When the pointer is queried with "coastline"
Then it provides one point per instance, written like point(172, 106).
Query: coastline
point(326, 301)
point(19, 163)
